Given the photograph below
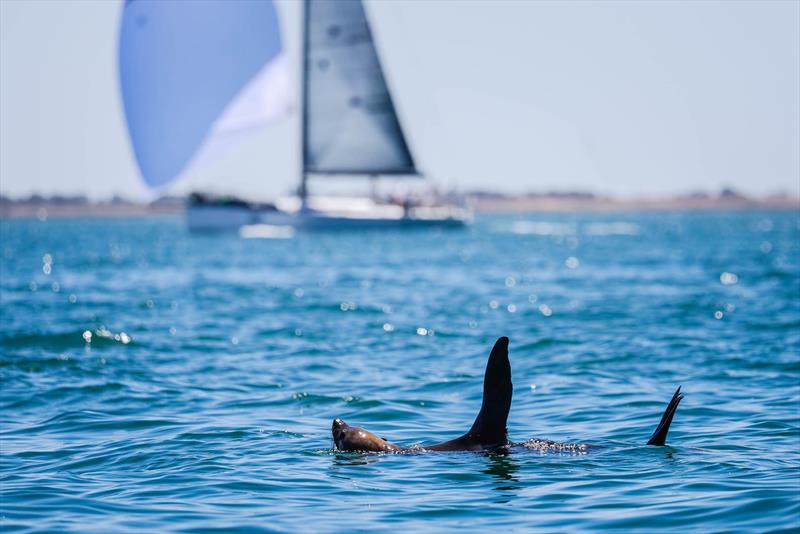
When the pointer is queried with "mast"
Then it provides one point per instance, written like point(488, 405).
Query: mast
point(304, 28)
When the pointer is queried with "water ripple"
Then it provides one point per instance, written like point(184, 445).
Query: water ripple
point(214, 411)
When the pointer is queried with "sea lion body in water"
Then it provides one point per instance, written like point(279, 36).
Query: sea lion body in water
point(353, 438)
point(488, 431)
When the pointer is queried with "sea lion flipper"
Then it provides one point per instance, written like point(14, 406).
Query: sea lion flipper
point(490, 424)
point(659, 437)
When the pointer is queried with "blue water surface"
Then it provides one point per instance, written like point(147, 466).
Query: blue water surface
point(158, 380)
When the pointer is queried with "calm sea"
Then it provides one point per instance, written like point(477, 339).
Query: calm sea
point(156, 380)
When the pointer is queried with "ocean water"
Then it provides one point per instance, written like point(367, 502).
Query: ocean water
point(155, 380)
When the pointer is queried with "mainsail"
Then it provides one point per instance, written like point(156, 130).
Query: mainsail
point(349, 124)
point(195, 75)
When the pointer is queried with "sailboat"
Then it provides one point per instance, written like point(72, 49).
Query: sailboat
point(198, 75)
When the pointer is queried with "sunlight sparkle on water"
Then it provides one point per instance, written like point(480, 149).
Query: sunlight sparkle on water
point(179, 429)
point(764, 225)
point(614, 228)
point(543, 228)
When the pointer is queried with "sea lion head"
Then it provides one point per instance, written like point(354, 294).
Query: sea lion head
point(353, 439)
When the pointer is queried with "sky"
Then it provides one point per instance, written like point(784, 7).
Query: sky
point(621, 98)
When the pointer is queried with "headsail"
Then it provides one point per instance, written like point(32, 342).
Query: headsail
point(195, 75)
point(350, 124)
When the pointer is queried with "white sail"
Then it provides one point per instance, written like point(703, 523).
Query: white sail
point(350, 124)
point(196, 76)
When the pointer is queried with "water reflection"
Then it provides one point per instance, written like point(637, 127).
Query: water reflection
point(503, 468)
point(340, 467)
point(346, 459)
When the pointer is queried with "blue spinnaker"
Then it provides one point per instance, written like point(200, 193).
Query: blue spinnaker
point(194, 74)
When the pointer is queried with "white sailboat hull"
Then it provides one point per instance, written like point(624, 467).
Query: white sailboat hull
point(323, 214)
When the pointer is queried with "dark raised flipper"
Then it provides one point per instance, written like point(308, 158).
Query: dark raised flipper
point(488, 432)
point(659, 437)
point(490, 424)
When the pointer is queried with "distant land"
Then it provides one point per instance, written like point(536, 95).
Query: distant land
point(578, 201)
point(58, 206)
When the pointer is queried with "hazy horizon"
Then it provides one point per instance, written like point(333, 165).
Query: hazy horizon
point(565, 193)
point(613, 98)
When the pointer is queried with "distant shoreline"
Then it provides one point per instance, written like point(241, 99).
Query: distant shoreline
point(481, 202)
point(600, 204)
point(46, 211)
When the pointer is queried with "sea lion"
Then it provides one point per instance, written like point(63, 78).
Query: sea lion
point(488, 432)
point(353, 438)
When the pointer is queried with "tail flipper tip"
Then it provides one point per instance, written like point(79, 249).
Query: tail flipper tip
point(659, 437)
